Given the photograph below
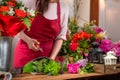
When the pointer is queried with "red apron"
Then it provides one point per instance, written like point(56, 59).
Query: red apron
point(45, 31)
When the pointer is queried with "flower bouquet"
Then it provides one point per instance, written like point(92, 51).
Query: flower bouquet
point(79, 42)
point(14, 17)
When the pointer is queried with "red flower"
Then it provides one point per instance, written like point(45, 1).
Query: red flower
point(10, 25)
point(73, 46)
point(60, 58)
point(20, 13)
point(4, 8)
point(11, 3)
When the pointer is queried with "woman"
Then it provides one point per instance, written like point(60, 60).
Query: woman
point(46, 34)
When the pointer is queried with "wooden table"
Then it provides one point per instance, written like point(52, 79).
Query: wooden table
point(65, 76)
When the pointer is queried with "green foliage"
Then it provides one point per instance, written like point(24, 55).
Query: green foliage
point(87, 69)
point(28, 68)
point(46, 66)
point(18, 5)
point(73, 28)
point(52, 68)
point(39, 65)
point(3, 2)
point(72, 25)
point(27, 22)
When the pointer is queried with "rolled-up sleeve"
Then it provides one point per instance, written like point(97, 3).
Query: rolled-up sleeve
point(64, 22)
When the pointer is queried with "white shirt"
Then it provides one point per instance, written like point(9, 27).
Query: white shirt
point(51, 14)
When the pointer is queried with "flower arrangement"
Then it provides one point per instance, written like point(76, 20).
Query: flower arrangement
point(14, 17)
point(79, 42)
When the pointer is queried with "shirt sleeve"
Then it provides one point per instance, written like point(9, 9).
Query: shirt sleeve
point(64, 22)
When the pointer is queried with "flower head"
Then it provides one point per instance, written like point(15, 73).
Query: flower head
point(106, 45)
point(73, 68)
point(73, 46)
point(98, 30)
point(116, 48)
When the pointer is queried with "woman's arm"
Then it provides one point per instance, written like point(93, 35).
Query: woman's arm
point(56, 48)
point(33, 44)
point(62, 36)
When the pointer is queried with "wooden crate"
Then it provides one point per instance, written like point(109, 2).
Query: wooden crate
point(107, 69)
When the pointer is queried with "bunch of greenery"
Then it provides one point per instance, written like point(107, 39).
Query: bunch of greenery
point(87, 69)
point(43, 66)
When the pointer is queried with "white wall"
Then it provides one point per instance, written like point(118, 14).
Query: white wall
point(84, 12)
point(109, 18)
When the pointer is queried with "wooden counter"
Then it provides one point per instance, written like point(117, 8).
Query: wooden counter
point(59, 77)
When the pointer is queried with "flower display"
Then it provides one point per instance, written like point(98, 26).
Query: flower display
point(14, 17)
point(80, 39)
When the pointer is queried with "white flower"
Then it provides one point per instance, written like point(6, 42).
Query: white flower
point(103, 34)
point(32, 12)
point(11, 12)
point(22, 8)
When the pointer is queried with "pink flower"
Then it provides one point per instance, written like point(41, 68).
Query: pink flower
point(73, 46)
point(106, 45)
point(98, 30)
point(81, 52)
point(116, 48)
point(86, 55)
point(73, 68)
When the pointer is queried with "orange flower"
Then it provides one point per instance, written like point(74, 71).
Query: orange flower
point(4, 8)
point(20, 13)
point(81, 35)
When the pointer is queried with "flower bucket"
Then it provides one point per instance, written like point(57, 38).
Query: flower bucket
point(5, 53)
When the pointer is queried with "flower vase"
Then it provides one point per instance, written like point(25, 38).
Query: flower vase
point(5, 53)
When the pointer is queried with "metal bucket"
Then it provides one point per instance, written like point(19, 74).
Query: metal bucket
point(5, 53)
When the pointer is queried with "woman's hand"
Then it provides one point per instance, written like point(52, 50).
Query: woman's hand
point(33, 44)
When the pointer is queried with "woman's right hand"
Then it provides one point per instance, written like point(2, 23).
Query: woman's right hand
point(33, 44)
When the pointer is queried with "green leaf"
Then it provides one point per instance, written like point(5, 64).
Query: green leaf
point(27, 22)
point(28, 68)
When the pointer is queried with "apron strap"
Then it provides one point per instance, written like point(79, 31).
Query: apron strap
point(58, 12)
